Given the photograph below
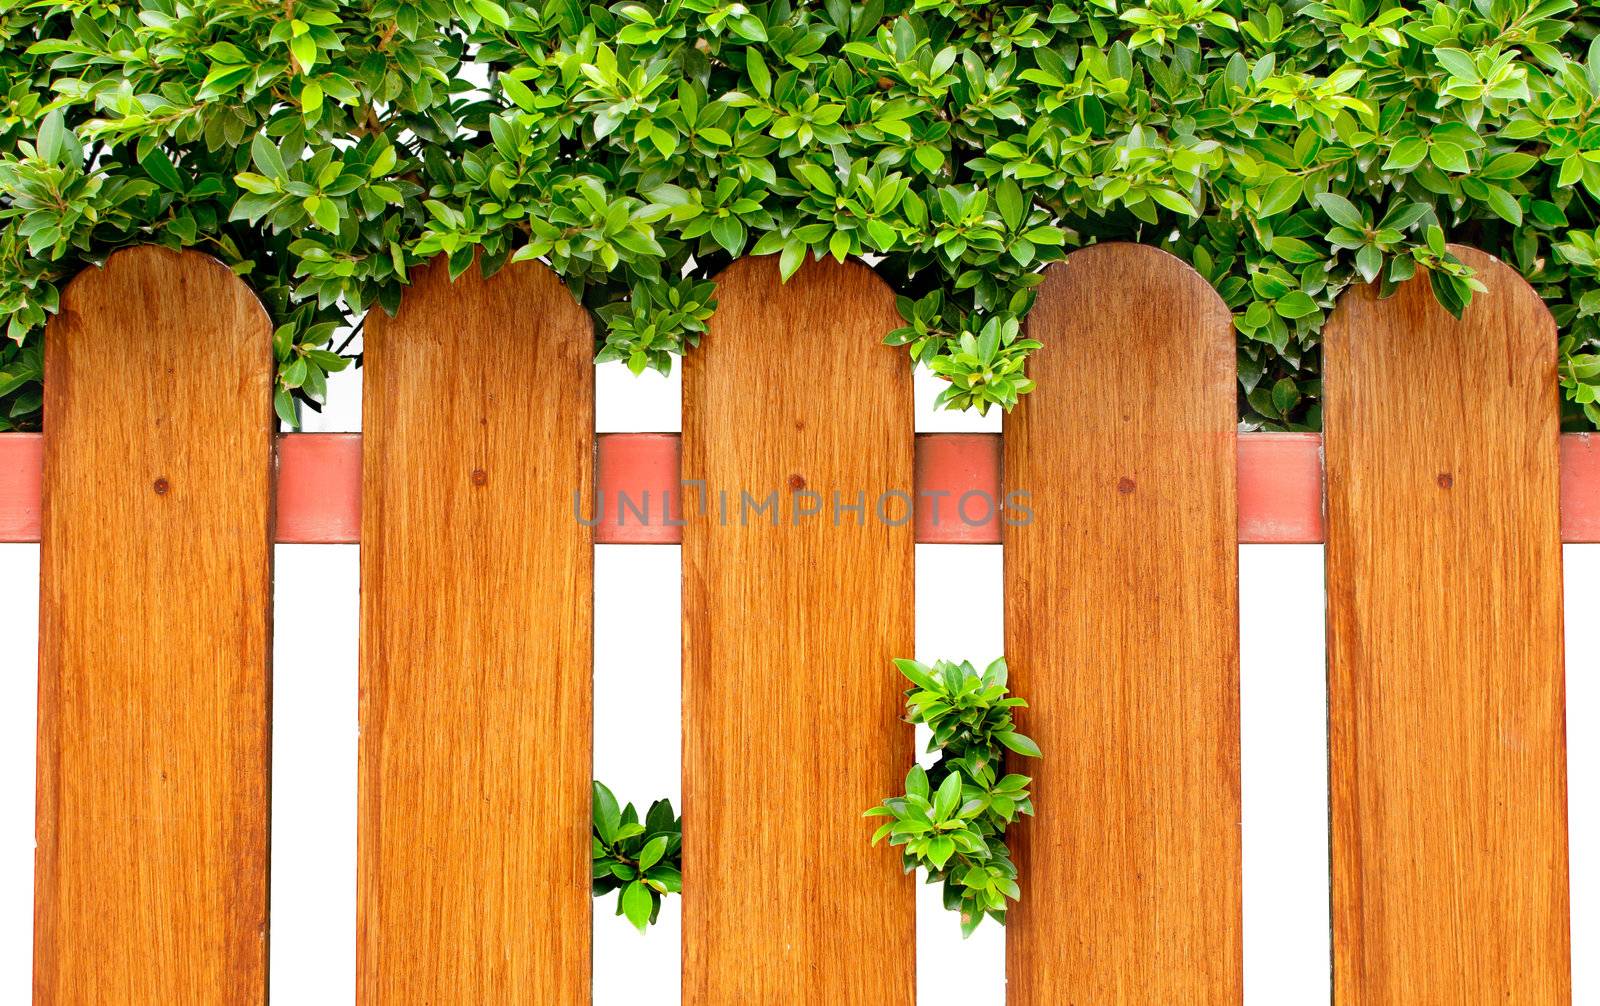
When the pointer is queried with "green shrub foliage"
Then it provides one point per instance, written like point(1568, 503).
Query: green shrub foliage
point(1286, 149)
point(952, 818)
point(641, 859)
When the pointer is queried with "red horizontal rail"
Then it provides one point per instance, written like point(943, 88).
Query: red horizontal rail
point(319, 487)
point(21, 472)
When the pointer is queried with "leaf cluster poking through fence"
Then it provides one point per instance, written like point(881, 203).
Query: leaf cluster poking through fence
point(952, 818)
point(641, 859)
point(1285, 149)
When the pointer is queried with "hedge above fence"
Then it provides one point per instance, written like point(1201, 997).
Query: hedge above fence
point(1285, 150)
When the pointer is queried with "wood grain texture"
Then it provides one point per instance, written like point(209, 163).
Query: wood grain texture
point(154, 641)
point(1445, 672)
point(1122, 633)
point(476, 633)
point(791, 707)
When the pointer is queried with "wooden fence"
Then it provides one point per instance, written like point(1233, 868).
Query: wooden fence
point(159, 487)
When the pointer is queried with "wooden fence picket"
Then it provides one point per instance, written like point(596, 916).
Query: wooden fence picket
point(1446, 722)
point(1122, 630)
point(791, 707)
point(155, 608)
point(476, 600)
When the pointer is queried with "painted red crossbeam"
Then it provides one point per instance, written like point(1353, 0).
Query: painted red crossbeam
point(319, 488)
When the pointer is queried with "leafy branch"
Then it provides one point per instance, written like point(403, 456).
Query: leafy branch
point(952, 819)
point(642, 859)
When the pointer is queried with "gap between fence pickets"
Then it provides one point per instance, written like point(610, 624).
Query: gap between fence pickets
point(957, 474)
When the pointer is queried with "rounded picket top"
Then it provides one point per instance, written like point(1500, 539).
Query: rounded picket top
point(823, 285)
point(1510, 294)
point(1159, 301)
point(518, 290)
point(1507, 321)
point(147, 297)
point(1134, 260)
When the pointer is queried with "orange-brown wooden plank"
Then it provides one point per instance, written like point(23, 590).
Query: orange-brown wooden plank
point(1445, 670)
point(1122, 631)
point(791, 707)
point(476, 594)
point(155, 614)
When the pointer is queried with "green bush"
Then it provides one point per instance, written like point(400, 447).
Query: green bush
point(952, 819)
point(643, 860)
point(1286, 149)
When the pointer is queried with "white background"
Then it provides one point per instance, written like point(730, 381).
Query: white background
point(637, 747)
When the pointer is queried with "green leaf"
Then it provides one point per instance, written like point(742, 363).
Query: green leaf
point(794, 255)
point(518, 92)
point(258, 184)
point(223, 79)
point(969, 922)
point(1512, 164)
point(324, 212)
point(652, 852)
point(51, 138)
point(1018, 743)
point(492, 13)
point(917, 674)
point(1406, 154)
point(1295, 304)
point(839, 245)
point(930, 158)
point(283, 405)
point(266, 158)
point(1369, 262)
point(756, 69)
point(1280, 195)
point(304, 51)
point(159, 166)
point(1452, 296)
point(1008, 199)
point(282, 341)
point(917, 782)
point(750, 28)
point(947, 798)
point(637, 904)
point(1341, 211)
point(1285, 395)
point(1449, 157)
point(1504, 205)
point(1296, 251)
point(729, 233)
point(1173, 201)
point(383, 163)
point(1457, 62)
point(607, 815)
point(1402, 215)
